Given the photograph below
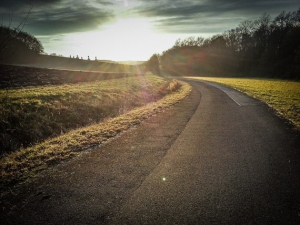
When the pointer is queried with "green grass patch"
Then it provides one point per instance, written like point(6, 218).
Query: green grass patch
point(26, 162)
point(281, 95)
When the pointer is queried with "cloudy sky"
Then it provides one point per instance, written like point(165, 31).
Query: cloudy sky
point(130, 29)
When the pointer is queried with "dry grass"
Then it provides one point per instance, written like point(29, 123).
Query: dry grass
point(26, 162)
point(32, 114)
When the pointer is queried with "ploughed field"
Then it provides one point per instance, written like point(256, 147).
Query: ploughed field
point(22, 76)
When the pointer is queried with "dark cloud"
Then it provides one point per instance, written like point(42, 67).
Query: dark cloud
point(203, 25)
point(68, 19)
point(104, 2)
point(183, 16)
point(19, 4)
point(49, 17)
point(65, 16)
point(191, 7)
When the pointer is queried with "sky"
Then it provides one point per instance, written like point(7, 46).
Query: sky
point(122, 30)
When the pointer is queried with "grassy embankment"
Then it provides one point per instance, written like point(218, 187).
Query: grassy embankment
point(63, 120)
point(281, 95)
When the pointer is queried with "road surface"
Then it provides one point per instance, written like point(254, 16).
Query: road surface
point(217, 157)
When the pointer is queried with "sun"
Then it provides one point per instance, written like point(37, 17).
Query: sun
point(125, 39)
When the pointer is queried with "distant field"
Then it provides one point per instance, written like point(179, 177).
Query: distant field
point(282, 95)
point(66, 63)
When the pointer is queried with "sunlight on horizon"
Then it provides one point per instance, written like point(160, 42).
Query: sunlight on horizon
point(124, 39)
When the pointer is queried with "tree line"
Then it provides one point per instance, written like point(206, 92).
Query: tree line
point(16, 44)
point(263, 47)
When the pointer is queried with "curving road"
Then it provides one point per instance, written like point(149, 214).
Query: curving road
point(234, 163)
point(217, 157)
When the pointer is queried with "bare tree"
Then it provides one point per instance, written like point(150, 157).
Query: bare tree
point(8, 34)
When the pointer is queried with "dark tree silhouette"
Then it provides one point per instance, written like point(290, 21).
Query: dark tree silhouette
point(14, 42)
point(264, 47)
point(20, 44)
point(153, 64)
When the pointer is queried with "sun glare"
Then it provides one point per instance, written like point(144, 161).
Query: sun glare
point(121, 40)
point(125, 39)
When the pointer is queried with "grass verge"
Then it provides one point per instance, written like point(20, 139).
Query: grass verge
point(281, 95)
point(26, 162)
point(32, 114)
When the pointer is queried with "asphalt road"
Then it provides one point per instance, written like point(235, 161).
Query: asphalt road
point(217, 157)
point(234, 163)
